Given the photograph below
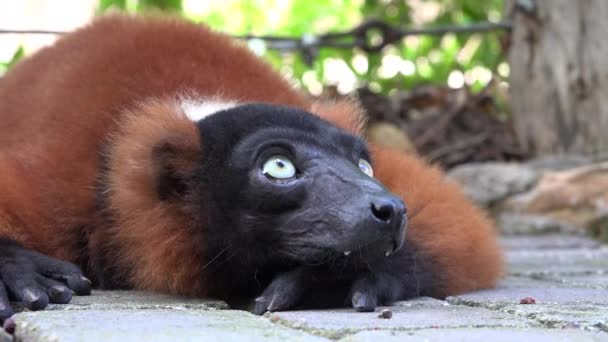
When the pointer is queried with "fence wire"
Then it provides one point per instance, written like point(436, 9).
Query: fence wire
point(370, 36)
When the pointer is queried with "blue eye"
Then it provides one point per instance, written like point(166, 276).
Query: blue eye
point(366, 167)
point(279, 167)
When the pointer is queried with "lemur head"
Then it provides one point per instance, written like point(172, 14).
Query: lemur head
point(280, 183)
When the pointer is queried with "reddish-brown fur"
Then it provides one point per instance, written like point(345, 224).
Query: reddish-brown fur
point(119, 80)
point(443, 223)
point(170, 236)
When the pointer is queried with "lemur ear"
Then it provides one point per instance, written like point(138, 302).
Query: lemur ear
point(174, 165)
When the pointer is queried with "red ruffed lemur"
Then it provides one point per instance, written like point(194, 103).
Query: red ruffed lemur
point(152, 153)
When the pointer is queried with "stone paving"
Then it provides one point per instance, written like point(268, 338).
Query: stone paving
point(567, 275)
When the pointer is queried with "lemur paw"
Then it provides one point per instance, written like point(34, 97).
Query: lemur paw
point(372, 290)
point(283, 292)
point(36, 279)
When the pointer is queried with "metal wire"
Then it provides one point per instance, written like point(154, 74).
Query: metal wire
point(370, 36)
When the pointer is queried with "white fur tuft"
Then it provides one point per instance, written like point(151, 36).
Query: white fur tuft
point(197, 110)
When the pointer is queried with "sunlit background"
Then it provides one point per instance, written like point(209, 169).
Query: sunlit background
point(470, 60)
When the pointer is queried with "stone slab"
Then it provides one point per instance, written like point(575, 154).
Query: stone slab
point(547, 294)
point(111, 300)
point(592, 281)
point(510, 223)
point(592, 317)
point(557, 305)
point(548, 242)
point(479, 335)
point(518, 282)
point(151, 325)
point(4, 337)
point(337, 323)
point(557, 261)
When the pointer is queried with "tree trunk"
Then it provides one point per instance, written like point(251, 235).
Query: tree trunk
point(559, 75)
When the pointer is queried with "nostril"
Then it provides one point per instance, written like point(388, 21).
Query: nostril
point(383, 211)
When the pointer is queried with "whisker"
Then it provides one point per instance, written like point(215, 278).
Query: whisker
point(215, 257)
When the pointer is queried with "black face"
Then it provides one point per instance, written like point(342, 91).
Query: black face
point(286, 185)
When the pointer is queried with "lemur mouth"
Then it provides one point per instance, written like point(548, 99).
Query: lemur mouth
point(385, 246)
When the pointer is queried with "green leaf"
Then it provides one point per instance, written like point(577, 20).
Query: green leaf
point(165, 5)
point(20, 53)
point(105, 5)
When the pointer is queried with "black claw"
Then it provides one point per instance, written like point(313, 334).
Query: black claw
point(260, 308)
point(34, 299)
point(86, 280)
point(364, 308)
point(59, 294)
point(363, 302)
point(79, 284)
point(260, 299)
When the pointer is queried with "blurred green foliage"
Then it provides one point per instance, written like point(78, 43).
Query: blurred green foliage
point(471, 59)
point(14, 59)
point(126, 5)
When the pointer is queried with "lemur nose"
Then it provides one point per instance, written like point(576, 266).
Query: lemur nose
point(386, 209)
